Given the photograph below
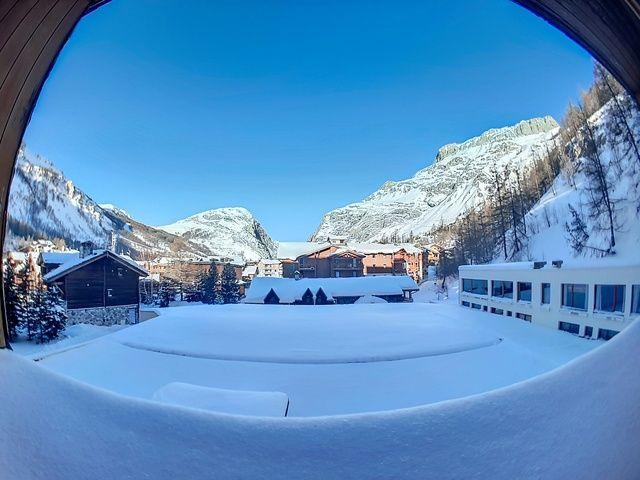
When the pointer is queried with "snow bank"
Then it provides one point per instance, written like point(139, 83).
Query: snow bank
point(579, 421)
point(238, 402)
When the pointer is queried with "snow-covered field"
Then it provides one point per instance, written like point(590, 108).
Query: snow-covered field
point(328, 360)
point(581, 420)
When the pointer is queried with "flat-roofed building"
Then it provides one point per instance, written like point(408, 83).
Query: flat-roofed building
point(595, 301)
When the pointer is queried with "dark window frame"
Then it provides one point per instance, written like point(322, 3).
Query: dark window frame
point(569, 288)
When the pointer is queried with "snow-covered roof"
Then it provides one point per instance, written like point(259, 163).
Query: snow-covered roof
point(292, 250)
point(369, 248)
point(289, 290)
point(571, 264)
point(371, 299)
point(269, 261)
point(74, 264)
point(58, 257)
point(250, 270)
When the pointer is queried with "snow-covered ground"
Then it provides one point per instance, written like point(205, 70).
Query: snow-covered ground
point(328, 360)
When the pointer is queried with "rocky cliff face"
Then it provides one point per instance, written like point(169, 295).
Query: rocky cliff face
point(457, 181)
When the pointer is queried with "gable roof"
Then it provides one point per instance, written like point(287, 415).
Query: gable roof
point(74, 264)
point(289, 290)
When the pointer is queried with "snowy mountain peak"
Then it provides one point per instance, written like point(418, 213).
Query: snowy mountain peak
point(228, 231)
point(533, 126)
point(457, 181)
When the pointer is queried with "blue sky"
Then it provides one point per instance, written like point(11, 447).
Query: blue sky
point(290, 109)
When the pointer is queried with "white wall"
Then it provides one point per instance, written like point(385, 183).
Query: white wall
point(550, 315)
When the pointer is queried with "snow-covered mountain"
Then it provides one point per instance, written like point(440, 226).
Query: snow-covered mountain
point(231, 232)
point(44, 203)
point(457, 181)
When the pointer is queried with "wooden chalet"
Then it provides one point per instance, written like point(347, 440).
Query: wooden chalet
point(99, 287)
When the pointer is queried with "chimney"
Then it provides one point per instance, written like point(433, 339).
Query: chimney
point(538, 265)
point(557, 263)
point(86, 249)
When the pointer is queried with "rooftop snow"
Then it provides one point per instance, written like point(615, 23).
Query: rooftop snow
point(290, 290)
point(76, 262)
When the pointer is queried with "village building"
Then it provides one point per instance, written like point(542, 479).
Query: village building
point(595, 301)
point(326, 291)
point(338, 257)
point(249, 272)
point(268, 267)
point(98, 287)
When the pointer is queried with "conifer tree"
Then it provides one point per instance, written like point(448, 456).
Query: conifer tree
point(229, 288)
point(209, 286)
point(53, 316)
point(12, 300)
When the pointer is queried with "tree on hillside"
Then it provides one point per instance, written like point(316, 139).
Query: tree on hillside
point(602, 208)
point(577, 231)
point(229, 288)
point(209, 286)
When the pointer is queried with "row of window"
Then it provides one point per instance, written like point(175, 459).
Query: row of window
point(607, 298)
point(603, 333)
point(498, 311)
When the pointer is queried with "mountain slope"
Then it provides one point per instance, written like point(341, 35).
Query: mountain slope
point(43, 203)
point(457, 181)
point(230, 231)
point(549, 239)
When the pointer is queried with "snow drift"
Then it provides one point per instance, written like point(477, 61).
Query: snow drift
point(579, 421)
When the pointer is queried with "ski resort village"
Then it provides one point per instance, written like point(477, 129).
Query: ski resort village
point(462, 319)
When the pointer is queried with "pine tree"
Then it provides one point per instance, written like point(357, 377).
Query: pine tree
point(229, 288)
point(209, 286)
point(53, 316)
point(12, 300)
point(577, 231)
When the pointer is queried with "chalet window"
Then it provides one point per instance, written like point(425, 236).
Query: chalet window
point(635, 299)
point(502, 289)
point(470, 285)
point(546, 293)
point(609, 298)
point(120, 272)
point(606, 334)
point(524, 291)
point(574, 295)
point(569, 327)
point(109, 292)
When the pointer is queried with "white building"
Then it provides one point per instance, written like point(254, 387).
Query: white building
point(595, 301)
point(269, 268)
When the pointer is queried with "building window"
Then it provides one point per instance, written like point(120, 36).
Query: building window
point(606, 334)
point(523, 316)
point(502, 289)
point(477, 306)
point(109, 292)
point(569, 327)
point(465, 304)
point(509, 313)
point(524, 291)
point(588, 331)
point(478, 287)
point(574, 295)
point(546, 293)
point(497, 311)
point(609, 298)
point(635, 299)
